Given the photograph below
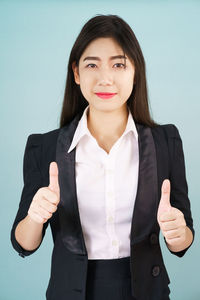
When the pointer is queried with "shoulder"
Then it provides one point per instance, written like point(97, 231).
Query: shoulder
point(42, 147)
point(36, 139)
point(168, 130)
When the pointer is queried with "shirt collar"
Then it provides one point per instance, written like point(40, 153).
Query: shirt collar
point(83, 130)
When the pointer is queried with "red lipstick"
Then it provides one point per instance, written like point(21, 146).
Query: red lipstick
point(105, 95)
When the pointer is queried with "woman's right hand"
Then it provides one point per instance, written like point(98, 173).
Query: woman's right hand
point(45, 201)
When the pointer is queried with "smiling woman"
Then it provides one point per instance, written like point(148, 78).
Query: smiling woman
point(105, 78)
point(106, 50)
point(108, 180)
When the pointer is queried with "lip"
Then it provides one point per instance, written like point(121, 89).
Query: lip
point(105, 95)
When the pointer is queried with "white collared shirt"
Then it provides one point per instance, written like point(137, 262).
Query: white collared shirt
point(106, 187)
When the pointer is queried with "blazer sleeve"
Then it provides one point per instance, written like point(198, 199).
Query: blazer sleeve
point(179, 187)
point(32, 182)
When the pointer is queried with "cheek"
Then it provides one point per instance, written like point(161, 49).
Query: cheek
point(86, 80)
point(126, 84)
point(86, 86)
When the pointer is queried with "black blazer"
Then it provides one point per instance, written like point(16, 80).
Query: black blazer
point(160, 157)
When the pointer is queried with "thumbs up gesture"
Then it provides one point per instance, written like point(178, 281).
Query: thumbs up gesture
point(170, 219)
point(45, 201)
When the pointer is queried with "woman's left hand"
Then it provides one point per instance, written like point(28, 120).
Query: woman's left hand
point(170, 219)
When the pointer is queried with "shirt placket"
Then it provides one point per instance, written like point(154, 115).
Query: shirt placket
point(110, 203)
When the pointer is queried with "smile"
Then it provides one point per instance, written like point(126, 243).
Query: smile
point(105, 95)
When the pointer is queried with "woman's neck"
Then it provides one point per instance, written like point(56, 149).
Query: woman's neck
point(107, 125)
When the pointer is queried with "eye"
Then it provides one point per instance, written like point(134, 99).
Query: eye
point(90, 65)
point(121, 65)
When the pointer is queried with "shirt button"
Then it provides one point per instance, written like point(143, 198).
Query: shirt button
point(110, 194)
point(110, 171)
point(110, 219)
point(114, 243)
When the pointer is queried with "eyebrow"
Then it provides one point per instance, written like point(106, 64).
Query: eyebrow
point(97, 58)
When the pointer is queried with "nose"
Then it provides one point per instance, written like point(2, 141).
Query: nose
point(105, 77)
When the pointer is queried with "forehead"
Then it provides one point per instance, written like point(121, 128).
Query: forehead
point(103, 46)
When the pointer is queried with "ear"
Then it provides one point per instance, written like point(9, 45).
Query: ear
point(76, 73)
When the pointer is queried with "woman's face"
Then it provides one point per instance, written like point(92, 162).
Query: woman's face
point(100, 71)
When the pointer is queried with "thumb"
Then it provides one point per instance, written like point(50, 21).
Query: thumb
point(164, 205)
point(53, 178)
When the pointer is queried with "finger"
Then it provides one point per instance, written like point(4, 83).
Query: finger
point(172, 234)
point(53, 177)
point(169, 225)
point(164, 204)
point(167, 216)
point(44, 213)
point(50, 207)
point(47, 195)
point(165, 193)
point(35, 217)
point(175, 241)
point(37, 209)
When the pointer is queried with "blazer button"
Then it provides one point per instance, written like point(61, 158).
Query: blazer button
point(154, 239)
point(156, 271)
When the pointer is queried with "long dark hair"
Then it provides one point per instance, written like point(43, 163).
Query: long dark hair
point(115, 27)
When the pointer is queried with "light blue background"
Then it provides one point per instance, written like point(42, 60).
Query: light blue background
point(36, 38)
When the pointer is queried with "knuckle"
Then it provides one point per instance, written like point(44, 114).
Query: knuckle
point(164, 227)
point(45, 214)
point(55, 199)
point(55, 208)
point(49, 215)
point(52, 208)
point(167, 235)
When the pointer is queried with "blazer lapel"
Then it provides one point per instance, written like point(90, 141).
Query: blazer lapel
point(146, 198)
point(145, 210)
point(70, 225)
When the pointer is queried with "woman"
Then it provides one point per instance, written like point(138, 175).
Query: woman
point(108, 180)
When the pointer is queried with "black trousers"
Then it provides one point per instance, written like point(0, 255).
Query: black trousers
point(109, 279)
